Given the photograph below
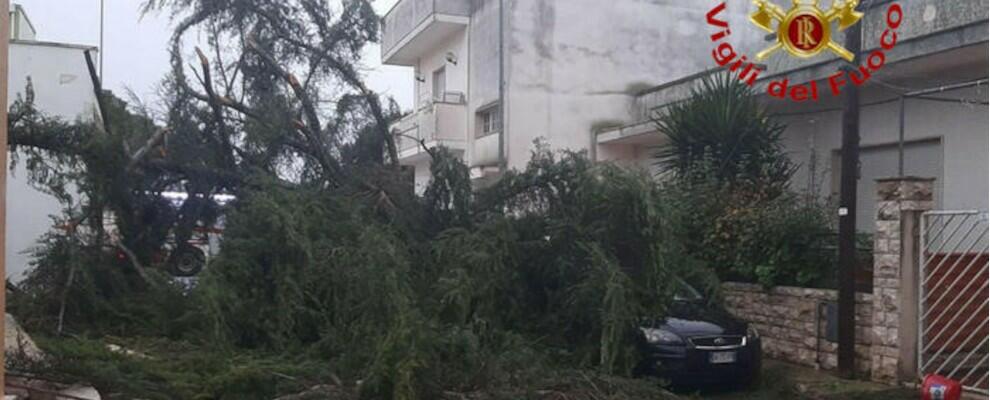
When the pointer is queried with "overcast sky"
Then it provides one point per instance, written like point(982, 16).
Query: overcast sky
point(135, 48)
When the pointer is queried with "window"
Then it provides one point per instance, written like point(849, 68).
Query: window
point(439, 84)
point(491, 121)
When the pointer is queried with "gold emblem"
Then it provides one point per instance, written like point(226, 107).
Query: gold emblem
point(805, 30)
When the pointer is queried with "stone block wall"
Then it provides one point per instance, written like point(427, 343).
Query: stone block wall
point(789, 320)
point(786, 320)
point(900, 202)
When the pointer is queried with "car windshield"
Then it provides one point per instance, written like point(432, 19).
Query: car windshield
point(684, 292)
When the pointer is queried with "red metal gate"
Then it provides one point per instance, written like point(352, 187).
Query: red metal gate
point(954, 297)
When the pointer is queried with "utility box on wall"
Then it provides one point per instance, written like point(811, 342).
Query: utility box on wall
point(831, 321)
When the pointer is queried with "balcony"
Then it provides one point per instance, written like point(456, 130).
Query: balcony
point(412, 27)
point(486, 152)
point(443, 121)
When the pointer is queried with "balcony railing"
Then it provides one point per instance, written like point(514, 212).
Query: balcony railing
point(411, 18)
point(486, 152)
point(442, 121)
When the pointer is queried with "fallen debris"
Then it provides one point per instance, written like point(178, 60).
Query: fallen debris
point(21, 388)
point(322, 392)
point(17, 343)
point(125, 351)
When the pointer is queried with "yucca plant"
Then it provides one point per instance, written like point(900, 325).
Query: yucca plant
point(723, 124)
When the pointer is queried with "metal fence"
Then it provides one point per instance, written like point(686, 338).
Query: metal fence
point(953, 301)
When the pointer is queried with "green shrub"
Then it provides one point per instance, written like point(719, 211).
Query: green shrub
point(730, 178)
point(747, 233)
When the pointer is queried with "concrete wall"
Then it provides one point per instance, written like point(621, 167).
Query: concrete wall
point(930, 27)
point(917, 35)
point(62, 89)
point(577, 65)
point(456, 74)
point(20, 25)
point(946, 141)
point(483, 80)
point(61, 80)
point(421, 176)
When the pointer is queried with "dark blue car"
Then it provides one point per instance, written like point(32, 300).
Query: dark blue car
point(699, 344)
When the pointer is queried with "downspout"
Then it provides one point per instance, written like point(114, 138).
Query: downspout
point(503, 110)
point(900, 141)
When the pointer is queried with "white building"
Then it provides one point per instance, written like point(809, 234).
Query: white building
point(568, 68)
point(940, 43)
point(588, 75)
point(62, 88)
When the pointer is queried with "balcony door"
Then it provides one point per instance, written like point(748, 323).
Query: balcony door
point(439, 84)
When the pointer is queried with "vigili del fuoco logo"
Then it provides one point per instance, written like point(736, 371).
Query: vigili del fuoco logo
point(804, 31)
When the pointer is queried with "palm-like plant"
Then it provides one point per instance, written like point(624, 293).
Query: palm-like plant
point(723, 127)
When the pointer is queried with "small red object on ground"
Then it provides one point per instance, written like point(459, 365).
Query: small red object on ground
point(937, 387)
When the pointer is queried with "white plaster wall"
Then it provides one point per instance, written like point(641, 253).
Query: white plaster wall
point(61, 80)
point(961, 167)
point(20, 25)
point(483, 75)
point(421, 176)
point(456, 81)
point(575, 65)
point(456, 73)
point(63, 89)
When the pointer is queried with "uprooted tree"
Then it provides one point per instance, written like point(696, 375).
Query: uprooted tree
point(328, 253)
point(274, 95)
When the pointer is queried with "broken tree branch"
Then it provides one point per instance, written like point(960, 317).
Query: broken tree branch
point(132, 257)
point(153, 141)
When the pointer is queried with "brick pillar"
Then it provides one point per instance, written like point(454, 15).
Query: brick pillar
point(900, 203)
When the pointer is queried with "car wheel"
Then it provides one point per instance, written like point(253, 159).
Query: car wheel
point(187, 261)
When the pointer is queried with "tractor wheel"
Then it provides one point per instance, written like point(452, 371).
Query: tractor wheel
point(187, 261)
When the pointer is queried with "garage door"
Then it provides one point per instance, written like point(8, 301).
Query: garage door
point(921, 158)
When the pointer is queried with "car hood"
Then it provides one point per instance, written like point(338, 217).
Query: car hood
point(688, 319)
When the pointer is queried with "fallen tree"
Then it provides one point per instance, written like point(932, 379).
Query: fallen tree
point(332, 269)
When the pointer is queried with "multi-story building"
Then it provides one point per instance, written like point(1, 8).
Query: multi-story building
point(63, 89)
point(492, 76)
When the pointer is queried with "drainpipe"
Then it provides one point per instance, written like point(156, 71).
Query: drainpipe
point(900, 143)
point(503, 110)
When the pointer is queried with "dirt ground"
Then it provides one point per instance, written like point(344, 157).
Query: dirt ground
point(787, 381)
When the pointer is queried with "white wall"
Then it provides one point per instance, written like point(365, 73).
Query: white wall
point(62, 88)
point(422, 176)
point(947, 141)
point(576, 65)
point(483, 77)
point(456, 73)
point(456, 81)
point(20, 26)
point(61, 80)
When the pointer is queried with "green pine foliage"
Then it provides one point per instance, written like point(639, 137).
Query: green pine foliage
point(508, 287)
point(562, 257)
point(332, 271)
